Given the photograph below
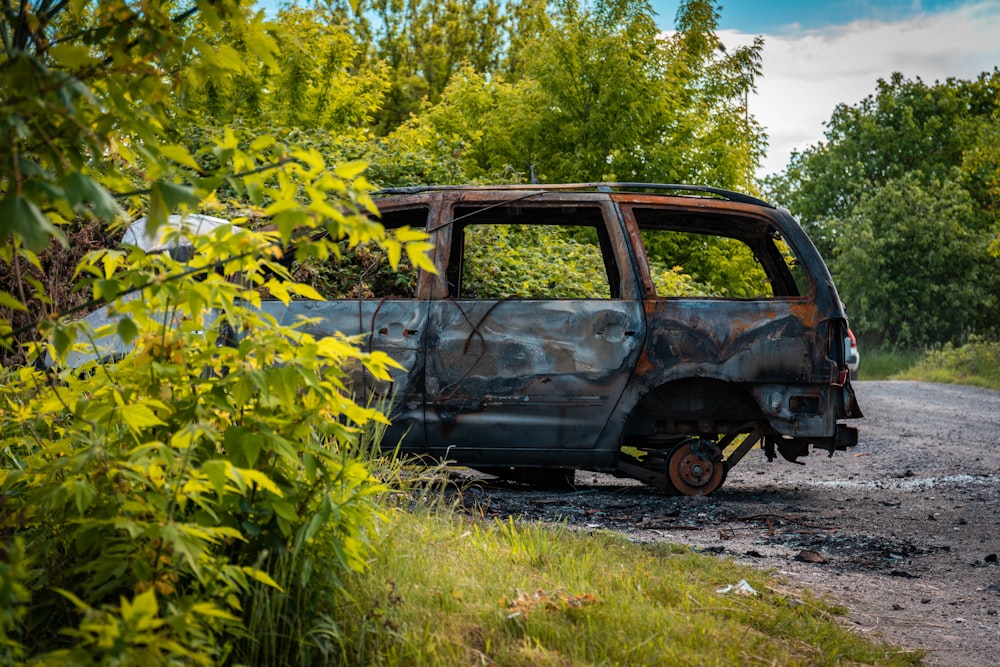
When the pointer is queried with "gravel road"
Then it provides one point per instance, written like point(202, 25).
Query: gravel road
point(903, 530)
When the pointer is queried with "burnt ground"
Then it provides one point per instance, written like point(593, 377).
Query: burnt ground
point(903, 530)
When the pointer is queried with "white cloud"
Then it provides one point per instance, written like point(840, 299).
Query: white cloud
point(807, 73)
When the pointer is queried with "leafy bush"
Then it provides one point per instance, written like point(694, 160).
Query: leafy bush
point(163, 497)
point(532, 261)
point(976, 362)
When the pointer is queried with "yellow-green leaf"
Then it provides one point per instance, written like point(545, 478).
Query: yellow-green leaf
point(350, 170)
point(178, 154)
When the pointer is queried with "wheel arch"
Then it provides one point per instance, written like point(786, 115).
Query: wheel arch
point(692, 406)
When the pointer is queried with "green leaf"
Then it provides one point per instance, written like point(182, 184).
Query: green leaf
point(215, 470)
point(83, 190)
point(350, 170)
point(138, 416)
point(166, 198)
point(62, 339)
point(7, 300)
point(72, 56)
point(127, 330)
point(209, 609)
point(261, 576)
point(258, 478)
point(176, 195)
point(142, 612)
point(285, 510)
point(179, 154)
point(21, 218)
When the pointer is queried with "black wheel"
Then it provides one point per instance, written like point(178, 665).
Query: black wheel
point(696, 468)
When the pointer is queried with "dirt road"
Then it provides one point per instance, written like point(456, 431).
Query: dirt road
point(903, 530)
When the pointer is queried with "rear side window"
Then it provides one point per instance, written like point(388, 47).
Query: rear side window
point(693, 264)
point(715, 256)
point(532, 253)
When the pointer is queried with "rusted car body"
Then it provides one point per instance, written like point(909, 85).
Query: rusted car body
point(631, 364)
point(672, 389)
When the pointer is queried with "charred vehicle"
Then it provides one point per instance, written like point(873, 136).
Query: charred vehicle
point(655, 331)
point(641, 368)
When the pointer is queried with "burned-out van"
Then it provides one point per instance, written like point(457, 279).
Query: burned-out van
point(656, 331)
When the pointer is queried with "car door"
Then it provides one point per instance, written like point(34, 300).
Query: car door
point(530, 353)
point(366, 297)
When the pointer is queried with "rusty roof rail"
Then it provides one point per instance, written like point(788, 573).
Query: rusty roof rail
point(611, 186)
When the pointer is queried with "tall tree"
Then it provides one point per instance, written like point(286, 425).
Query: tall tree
point(317, 80)
point(903, 143)
point(604, 96)
point(424, 43)
point(906, 126)
point(913, 266)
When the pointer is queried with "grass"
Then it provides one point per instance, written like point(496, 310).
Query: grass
point(976, 363)
point(447, 589)
point(879, 364)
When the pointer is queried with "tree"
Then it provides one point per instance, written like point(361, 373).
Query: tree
point(317, 80)
point(905, 127)
point(908, 139)
point(927, 276)
point(424, 43)
point(603, 97)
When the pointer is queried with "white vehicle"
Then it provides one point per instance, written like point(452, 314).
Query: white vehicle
point(851, 352)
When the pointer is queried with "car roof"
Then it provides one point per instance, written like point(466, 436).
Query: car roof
point(703, 191)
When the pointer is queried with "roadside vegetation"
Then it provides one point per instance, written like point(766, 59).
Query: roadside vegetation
point(976, 363)
point(192, 502)
point(447, 589)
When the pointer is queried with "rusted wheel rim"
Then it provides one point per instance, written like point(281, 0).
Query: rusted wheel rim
point(695, 473)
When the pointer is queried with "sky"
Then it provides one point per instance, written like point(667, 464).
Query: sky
point(819, 53)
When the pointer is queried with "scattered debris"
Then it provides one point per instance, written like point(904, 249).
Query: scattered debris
point(903, 574)
point(557, 600)
point(808, 556)
point(740, 588)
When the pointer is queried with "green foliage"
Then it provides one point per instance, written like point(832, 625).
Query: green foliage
point(425, 43)
point(701, 265)
point(594, 93)
point(313, 80)
point(373, 269)
point(935, 279)
point(880, 363)
point(156, 494)
point(150, 500)
point(975, 362)
point(531, 261)
point(903, 195)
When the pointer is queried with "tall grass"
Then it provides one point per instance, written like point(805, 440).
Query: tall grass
point(975, 363)
point(879, 364)
point(298, 622)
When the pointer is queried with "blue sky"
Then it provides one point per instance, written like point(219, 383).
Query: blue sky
point(772, 16)
point(818, 54)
